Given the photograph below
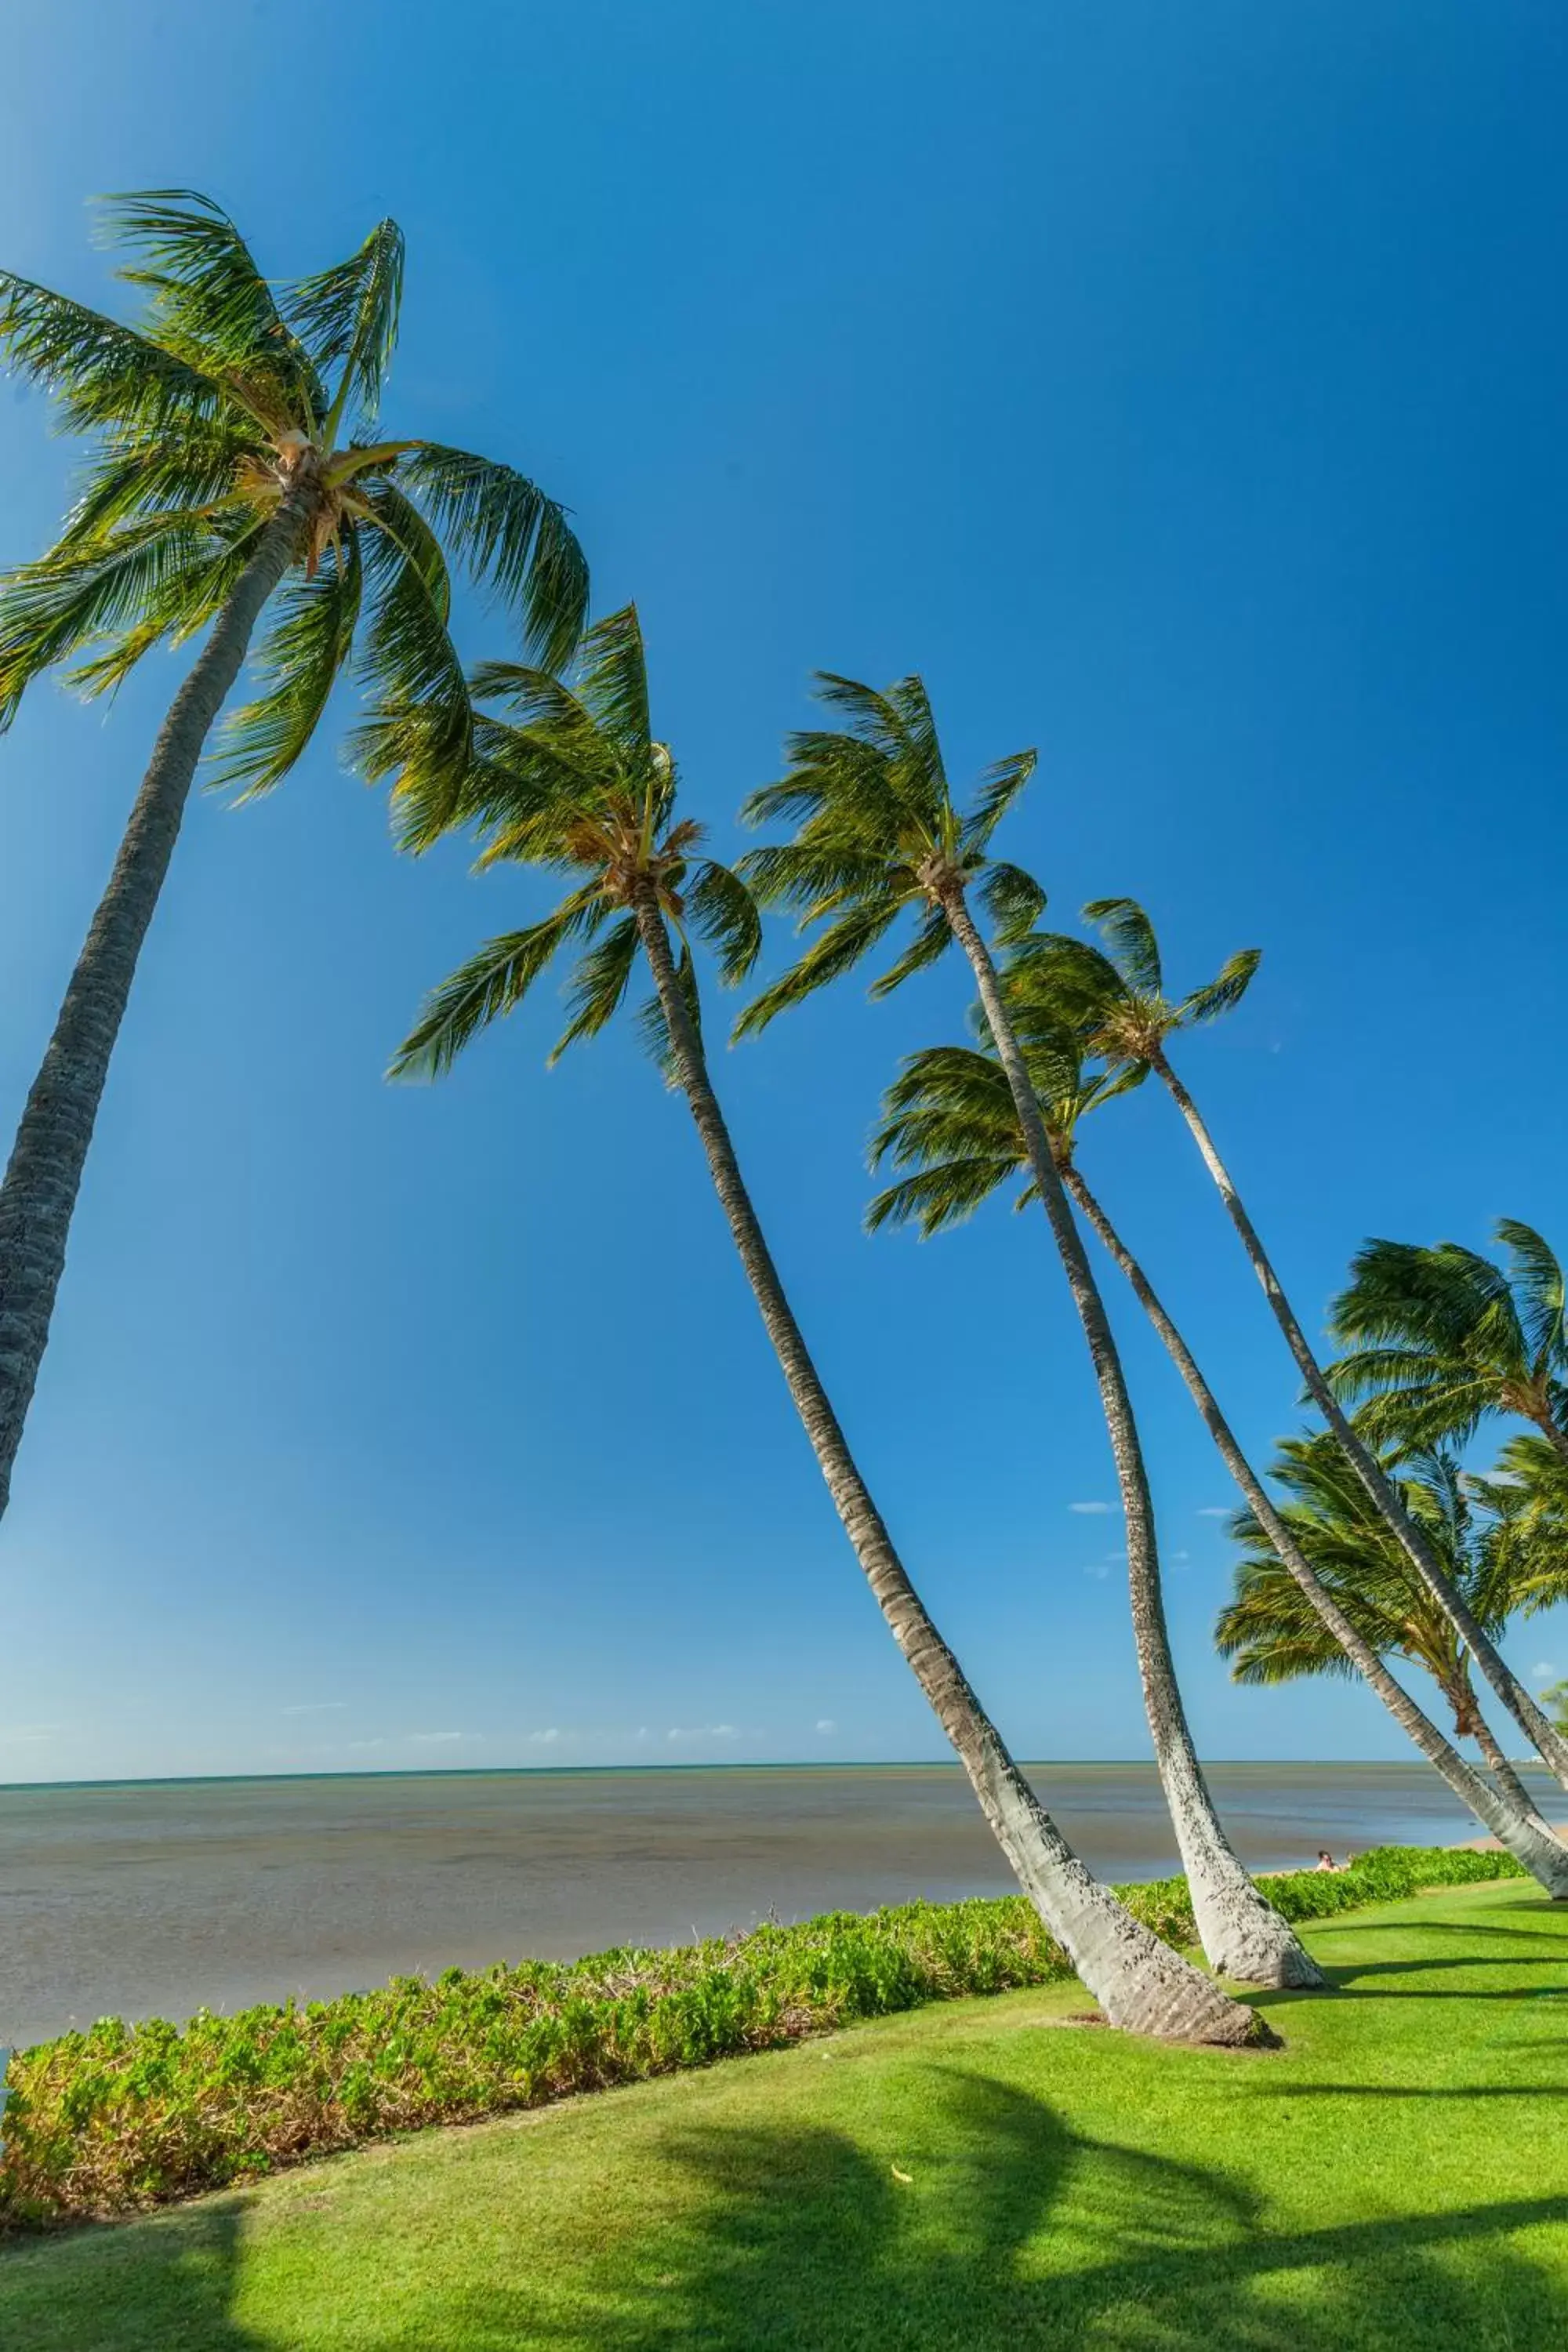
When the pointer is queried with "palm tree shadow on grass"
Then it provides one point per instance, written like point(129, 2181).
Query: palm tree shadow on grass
point(1012, 2231)
point(166, 2282)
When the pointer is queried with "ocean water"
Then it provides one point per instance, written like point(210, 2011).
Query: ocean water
point(155, 1899)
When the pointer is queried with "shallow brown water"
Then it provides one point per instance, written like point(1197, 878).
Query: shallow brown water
point(154, 1897)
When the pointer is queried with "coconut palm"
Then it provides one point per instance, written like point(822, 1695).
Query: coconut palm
point(1440, 1338)
point(235, 460)
point(948, 1122)
point(1118, 998)
point(574, 783)
point(878, 836)
point(1273, 1637)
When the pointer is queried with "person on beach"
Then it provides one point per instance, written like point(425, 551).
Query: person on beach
point(1326, 1861)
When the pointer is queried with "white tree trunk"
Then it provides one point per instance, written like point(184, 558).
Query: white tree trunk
point(1242, 1934)
point(1139, 1983)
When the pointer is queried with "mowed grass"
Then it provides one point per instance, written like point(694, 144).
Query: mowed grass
point(982, 2173)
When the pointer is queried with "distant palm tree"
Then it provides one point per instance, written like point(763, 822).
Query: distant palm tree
point(879, 835)
point(949, 1121)
point(1440, 1338)
point(232, 448)
point(576, 783)
point(1119, 999)
point(1273, 1637)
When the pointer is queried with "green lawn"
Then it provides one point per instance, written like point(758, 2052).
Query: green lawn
point(1397, 2176)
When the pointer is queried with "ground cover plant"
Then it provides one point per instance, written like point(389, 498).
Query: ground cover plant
point(1393, 2178)
point(123, 2116)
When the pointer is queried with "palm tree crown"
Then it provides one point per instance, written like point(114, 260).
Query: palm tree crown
point(949, 1118)
point(1272, 1633)
point(228, 393)
point(1117, 994)
point(574, 781)
point(880, 833)
point(1440, 1337)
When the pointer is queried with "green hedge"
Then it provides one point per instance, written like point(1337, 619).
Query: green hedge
point(127, 2117)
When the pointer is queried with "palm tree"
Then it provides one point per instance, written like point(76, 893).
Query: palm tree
point(949, 1121)
point(1119, 999)
point(879, 835)
point(1440, 1338)
point(235, 461)
point(1335, 1524)
point(575, 782)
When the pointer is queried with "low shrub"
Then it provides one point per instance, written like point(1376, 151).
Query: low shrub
point(125, 2117)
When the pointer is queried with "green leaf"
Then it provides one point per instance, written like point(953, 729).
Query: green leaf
point(512, 540)
point(723, 913)
point(347, 316)
point(599, 984)
point(1131, 940)
point(310, 637)
point(490, 985)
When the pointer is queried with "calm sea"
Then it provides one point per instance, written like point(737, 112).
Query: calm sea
point(153, 1898)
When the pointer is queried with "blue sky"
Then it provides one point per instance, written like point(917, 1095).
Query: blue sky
point(1182, 391)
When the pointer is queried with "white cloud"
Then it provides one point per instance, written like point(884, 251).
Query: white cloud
point(545, 1738)
point(1091, 1510)
point(1543, 1669)
point(1181, 1558)
point(1101, 1568)
point(1214, 1511)
point(704, 1731)
point(826, 1723)
point(441, 1739)
point(24, 1734)
point(317, 1706)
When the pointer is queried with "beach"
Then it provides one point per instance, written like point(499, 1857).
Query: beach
point(161, 1898)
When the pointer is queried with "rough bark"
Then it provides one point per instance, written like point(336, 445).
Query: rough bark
point(1510, 1815)
point(1533, 1722)
point(1502, 1772)
point(1139, 1983)
point(44, 1176)
point(1242, 1934)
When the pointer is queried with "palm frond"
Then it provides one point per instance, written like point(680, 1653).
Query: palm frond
point(490, 985)
point(420, 729)
point(836, 952)
point(310, 637)
point(347, 316)
point(929, 944)
point(599, 984)
point(511, 539)
point(998, 790)
point(210, 304)
point(1014, 902)
point(51, 610)
point(942, 1194)
point(1226, 990)
point(1131, 937)
point(105, 375)
point(722, 912)
point(1537, 1287)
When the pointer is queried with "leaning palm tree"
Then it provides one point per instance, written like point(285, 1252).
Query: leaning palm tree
point(879, 835)
point(950, 1125)
point(235, 461)
point(1441, 1339)
point(1119, 999)
point(574, 783)
point(1274, 1638)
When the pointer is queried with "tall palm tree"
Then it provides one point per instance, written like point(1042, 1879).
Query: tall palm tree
point(576, 783)
point(235, 460)
point(879, 835)
point(948, 1122)
point(1119, 998)
point(1440, 1338)
point(1333, 1522)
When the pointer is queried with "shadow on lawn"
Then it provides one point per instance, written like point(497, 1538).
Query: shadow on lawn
point(1011, 2233)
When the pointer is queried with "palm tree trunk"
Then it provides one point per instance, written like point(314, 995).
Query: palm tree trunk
point(44, 1176)
point(1139, 1983)
point(1503, 1773)
point(1535, 1725)
point(1508, 1812)
point(1553, 1432)
point(1242, 1934)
